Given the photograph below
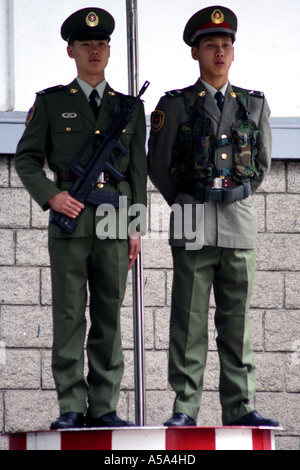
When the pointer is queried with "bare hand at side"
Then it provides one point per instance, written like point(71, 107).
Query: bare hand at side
point(134, 249)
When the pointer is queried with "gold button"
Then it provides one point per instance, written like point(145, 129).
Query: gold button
point(224, 156)
point(98, 132)
point(73, 91)
point(100, 186)
point(68, 129)
point(223, 136)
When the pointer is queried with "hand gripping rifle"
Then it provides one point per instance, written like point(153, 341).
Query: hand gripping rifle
point(83, 187)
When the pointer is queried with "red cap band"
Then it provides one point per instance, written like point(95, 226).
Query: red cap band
point(210, 25)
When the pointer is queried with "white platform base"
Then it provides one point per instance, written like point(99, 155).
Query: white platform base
point(156, 438)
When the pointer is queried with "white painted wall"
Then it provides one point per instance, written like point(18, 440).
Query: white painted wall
point(267, 49)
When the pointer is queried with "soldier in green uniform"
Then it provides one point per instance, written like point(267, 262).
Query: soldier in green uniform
point(209, 151)
point(58, 125)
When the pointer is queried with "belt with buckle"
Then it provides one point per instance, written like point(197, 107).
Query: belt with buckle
point(69, 177)
point(223, 182)
point(218, 190)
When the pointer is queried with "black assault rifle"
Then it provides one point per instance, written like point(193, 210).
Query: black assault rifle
point(83, 187)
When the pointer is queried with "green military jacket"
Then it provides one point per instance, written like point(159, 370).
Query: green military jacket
point(228, 225)
point(58, 125)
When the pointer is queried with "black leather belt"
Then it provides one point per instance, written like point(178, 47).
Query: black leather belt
point(69, 177)
point(65, 177)
point(223, 195)
point(94, 198)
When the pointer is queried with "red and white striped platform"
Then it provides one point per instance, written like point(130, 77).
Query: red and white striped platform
point(164, 439)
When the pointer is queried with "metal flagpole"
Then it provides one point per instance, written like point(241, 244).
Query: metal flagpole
point(137, 271)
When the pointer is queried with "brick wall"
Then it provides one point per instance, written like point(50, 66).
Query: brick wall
point(27, 395)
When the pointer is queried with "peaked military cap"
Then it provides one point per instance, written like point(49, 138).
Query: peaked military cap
point(211, 20)
point(88, 23)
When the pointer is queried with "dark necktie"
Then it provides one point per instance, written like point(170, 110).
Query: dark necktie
point(219, 98)
point(93, 102)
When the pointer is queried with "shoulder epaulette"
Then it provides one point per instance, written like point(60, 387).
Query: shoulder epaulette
point(243, 91)
point(174, 93)
point(51, 90)
point(257, 94)
point(122, 96)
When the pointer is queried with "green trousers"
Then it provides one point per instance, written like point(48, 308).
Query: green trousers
point(231, 274)
point(100, 267)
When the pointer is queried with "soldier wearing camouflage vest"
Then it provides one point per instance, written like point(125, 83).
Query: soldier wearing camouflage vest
point(209, 151)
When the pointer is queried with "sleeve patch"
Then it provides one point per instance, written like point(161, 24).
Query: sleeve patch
point(157, 120)
point(30, 116)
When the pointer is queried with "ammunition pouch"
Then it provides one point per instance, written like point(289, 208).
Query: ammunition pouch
point(193, 154)
point(244, 140)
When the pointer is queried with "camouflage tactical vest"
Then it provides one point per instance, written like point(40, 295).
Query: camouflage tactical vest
point(193, 156)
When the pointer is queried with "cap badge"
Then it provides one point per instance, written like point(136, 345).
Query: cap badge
point(92, 20)
point(217, 17)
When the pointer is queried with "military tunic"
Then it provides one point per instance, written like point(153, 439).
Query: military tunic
point(222, 257)
point(58, 125)
point(219, 219)
point(62, 121)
